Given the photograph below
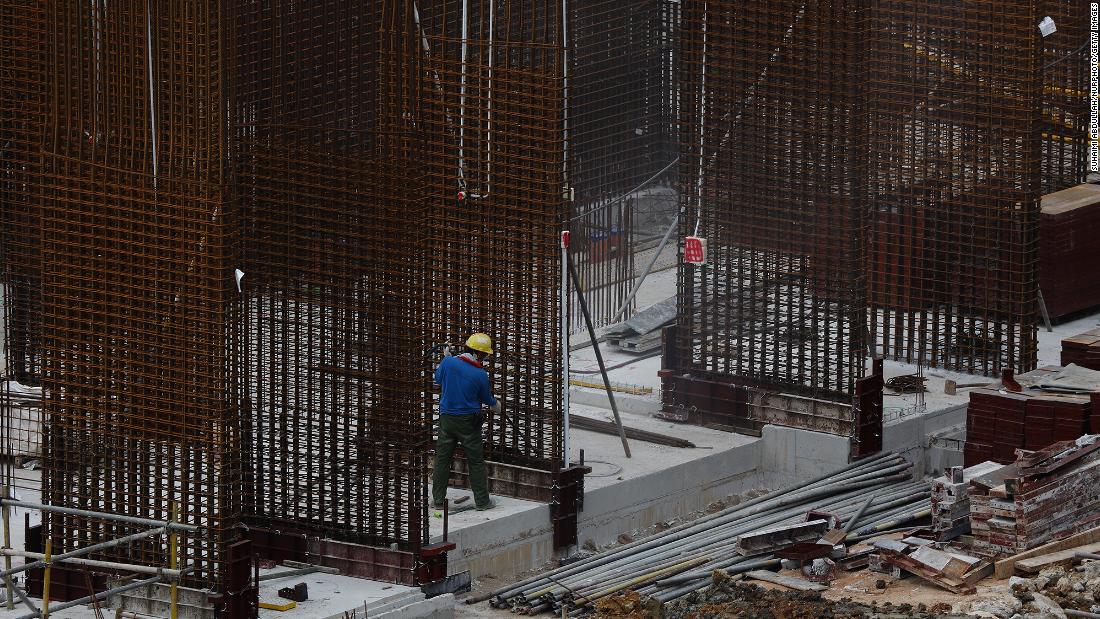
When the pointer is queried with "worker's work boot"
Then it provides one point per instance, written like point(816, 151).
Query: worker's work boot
point(490, 505)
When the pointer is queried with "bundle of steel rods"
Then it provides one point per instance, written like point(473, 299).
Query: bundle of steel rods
point(869, 497)
point(607, 427)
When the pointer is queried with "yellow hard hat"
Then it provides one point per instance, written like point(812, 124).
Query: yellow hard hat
point(481, 343)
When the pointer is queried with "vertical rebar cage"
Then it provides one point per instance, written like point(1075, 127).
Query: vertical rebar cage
point(22, 114)
point(954, 103)
point(622, 141)
point(493, 95)
point(329, 174)
point(772, 157)
point(138, 310)
point(1065, 71)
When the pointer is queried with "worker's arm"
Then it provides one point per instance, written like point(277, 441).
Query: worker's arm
point(487, 395)
point(439, 373)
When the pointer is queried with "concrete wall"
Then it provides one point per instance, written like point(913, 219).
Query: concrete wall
point(909, 437)
point(790, 455)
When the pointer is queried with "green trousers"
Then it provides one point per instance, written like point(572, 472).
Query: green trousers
point(462, 430)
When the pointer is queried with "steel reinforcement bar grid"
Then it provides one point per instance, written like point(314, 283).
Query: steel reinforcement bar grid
point(138, 301)
point(1065, 72)
point(771, 174)
point(622, 140)
point(953, 102)
point(329, 173)
point(494, 114)
point(22, 114)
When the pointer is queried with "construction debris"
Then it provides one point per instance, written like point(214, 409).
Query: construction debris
point(785, 581)
point(1065, 588)
point(908, 383)
point(776, 538)
point(642, 332)
point(1054, 493)
point(1062, 558)
point(1006, 567)
point(682, 559)
point(951, 502)
point(956, 573)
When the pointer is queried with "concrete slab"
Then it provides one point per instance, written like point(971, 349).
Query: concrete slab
point(622, 496)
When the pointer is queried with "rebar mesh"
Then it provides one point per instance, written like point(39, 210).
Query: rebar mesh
point(955, 161)
point(622, 140)
point(771, 175)
point(22, 114)
point(494, 113)
point(1065, 71)
point(333, 203)
point(138, 313)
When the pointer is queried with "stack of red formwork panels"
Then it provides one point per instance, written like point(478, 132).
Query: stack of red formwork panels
point(1082, 350)
point(994, 426)
point(998, 422)
point(1054, 493)
point(1067, 241)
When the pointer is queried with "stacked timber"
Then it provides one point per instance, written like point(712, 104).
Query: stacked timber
point(998, 422)
point(1068, 240)
point(951, 499)
point(1053, 493)
point(1082, 350)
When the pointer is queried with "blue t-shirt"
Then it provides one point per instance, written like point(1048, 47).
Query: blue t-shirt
point(465, 387)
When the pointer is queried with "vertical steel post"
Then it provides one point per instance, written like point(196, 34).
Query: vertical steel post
point(564, 319)
point(46, 580)
point(173, 561)
point(7, 546)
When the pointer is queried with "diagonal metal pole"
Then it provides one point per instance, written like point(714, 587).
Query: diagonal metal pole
point(19, 592)
point(638, 284)
point(596, 347)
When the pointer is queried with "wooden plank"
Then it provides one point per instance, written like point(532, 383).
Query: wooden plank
point(279, 607)
point(1062, 557)
point(1007, 567)
point(978, 574)
point(797, 584)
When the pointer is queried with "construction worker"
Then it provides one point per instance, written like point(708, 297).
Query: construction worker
point(465, 387)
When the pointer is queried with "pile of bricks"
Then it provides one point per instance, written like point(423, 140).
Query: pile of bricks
point(1082, 350)
point(998, 422)
point(1054, 493)
point(1068, 239)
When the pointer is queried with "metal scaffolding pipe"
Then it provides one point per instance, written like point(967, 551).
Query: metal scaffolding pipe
point(83, 551)
point(110, 565)
point(70, 511)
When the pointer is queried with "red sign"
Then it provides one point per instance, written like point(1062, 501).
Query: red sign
point(695, 250)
